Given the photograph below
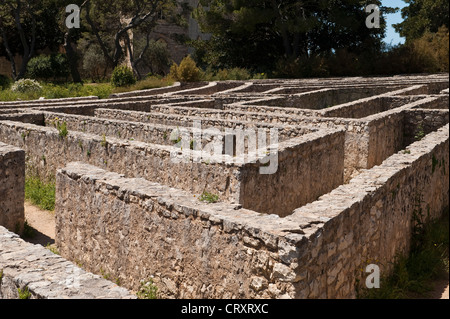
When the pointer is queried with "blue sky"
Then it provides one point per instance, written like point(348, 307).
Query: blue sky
point(393, 37)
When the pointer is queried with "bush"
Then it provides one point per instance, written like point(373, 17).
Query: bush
point(233, 74)
point(187, 71)
point(122, 76)
point(26, 86)
point(47, 67)
point(5, 82)
point(150, 82)
point(433, 50)
point(301, 67)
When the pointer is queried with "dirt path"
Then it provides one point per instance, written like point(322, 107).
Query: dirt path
point(44, 224)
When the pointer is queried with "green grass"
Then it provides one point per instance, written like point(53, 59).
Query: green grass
point(145, 84)
point(67, 90)
point(40, 193)
point(57, 91)
point(428, 261)
point(209, 198)
point(24, 293)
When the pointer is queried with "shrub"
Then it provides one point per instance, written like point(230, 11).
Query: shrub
point(233, 74)
point(150, 82)
point(313, 66)
point(48, 67)
point(209, 198)
point(5, 82)
point(433, 50)
point(148, 290)
point(122, 76)
point(187, 71)
point(26, 86)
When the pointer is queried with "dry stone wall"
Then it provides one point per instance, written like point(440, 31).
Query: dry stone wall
point(25, 267)
point(12, 187)
point(355, 159)
point(314, 253)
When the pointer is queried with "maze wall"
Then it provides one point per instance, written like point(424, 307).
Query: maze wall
point(313, 178)
point(12, 187)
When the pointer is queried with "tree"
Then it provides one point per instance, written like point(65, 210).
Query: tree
point(12, 16)
point(110, 23)
point(25, 27)
point(421, 16)
point(259, 32)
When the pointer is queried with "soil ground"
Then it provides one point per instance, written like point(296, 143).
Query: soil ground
point(44, 224)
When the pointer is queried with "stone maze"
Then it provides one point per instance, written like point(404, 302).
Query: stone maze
point(259, 189)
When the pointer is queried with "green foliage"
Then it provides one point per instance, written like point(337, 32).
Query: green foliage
point(104, 142)
point(26, 86)
point(53, 249)
point(428, 261)
point(66, 90)
point(150, 82)
point(93, 63)
point(47, 67)
point(148, 290)
point(24, 293)
point(62, 129)
point(420, 133)
point(432, 50)
point(122, 76)
point(39, 193)
point(5, 82)
point(156, 58)
point(209, 198)
point(301, 67)
point(233, 74)
point(255, 34)
point(422, 16)
point(187, 71)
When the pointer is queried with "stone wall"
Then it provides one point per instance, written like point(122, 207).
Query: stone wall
point(308, 167)
point(325, 98)
point(371, 217)
point(46, 275)
point(344, 191)
point(48, 151)
point(135, 229)
point(233, 180)
point(420, 122)
point(12, 186)
point(151, 132)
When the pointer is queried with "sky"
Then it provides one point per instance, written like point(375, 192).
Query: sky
point(393, 37)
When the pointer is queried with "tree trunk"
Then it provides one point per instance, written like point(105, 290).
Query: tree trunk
point(28, 48)
point(72, 57)
point(10, 55)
